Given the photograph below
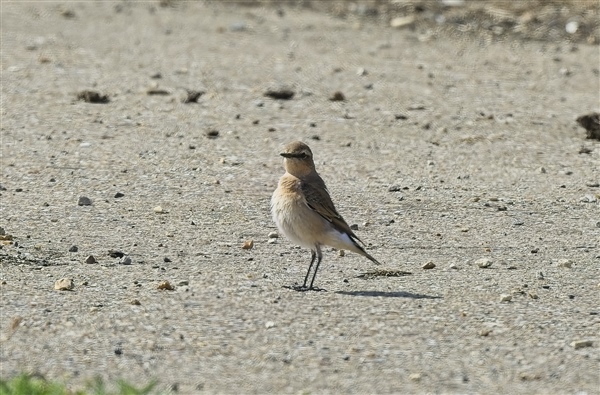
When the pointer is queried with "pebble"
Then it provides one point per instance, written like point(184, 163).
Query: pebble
point(183, 283)
point(341, 253)
point(64, 284)
point(532, 295)
point(165, 285)
point(272, 240)
point(125, 261)
point(354, 226)
point(135, 302)
point(577, 344)
point(212, 134)
point(84, 201)
point(453, 266)
point(273, 235)
point(2, 231)
point(73, 249)
point(280, 93)
point(90, 260)
point(429, 265)
point(337, 96)
point(505, 297)
point(269, 324)
point(415, 376)
point(565, 263)
point(159, 210)
point(119, 195)
point(588, 199)
point(484, 263)
point(116, 254)
point(248, 245)
point(402, 21)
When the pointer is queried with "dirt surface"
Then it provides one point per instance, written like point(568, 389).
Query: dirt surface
point(456, 150)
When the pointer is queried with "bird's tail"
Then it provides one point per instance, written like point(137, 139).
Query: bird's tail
point(364, 253)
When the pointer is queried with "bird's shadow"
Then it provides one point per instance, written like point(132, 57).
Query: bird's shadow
point(398, 294)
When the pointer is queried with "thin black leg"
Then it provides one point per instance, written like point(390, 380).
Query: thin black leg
point(320, 256)
point(312, 260)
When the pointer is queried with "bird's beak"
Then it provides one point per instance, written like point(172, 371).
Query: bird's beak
point(286, 155)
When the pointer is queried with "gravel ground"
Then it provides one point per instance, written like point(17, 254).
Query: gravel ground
point(458, 150)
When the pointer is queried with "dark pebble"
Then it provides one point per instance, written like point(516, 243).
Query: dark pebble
point(73, 249)
point(119, 195)
point(116, 254)
point(84, 201)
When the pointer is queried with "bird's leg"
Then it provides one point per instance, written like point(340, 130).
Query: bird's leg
point(313, 256)
point(319, 256)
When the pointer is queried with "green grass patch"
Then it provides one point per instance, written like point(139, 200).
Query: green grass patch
point(25, 384)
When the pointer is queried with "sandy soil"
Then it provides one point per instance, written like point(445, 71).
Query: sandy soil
point(447, 149)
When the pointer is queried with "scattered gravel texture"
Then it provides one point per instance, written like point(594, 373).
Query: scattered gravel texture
point(436, 151)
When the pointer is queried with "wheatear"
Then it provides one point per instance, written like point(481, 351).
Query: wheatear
point(304, 213)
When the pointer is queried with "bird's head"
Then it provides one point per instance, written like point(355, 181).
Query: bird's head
point(298, 159)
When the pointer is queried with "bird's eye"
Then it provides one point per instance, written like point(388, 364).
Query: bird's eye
point(303, 155)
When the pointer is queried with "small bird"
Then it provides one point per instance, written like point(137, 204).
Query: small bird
point(304, 213)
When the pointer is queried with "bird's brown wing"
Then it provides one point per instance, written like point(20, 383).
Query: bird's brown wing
point(318, 199)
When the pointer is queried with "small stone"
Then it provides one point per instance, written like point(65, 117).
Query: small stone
point(280, 93)
point(505, 297)
point(90, 260)
point(542, 170)
point(453, 266)
point(415, 376)
point(183, 283)
point(485, 332)
point(532, 295)
point(269, 324)
point(402, 21)
point(116, 254)
point(84, 201)
point(165, 285)
point(125, 260)
point(429, 265)
point(212, 134)
point(565, 263)
point(272, 241)
point(589, 199)
point(273, 235)
point(577, 344)
point(2, 231)
point(159, 210)
point(337, 96)
point(64, 284)
point(484, 263)
point(135, 302)
point(361, 71)
point(92, 97)
point(572, 27)
point(341, 253)
point(248, 245)
point(73, 249)
point(166, 260)
point(192, 96)
point(354, 226)
point(119, 195)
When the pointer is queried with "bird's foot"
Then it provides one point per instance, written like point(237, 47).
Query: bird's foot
point(304, 288)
